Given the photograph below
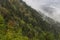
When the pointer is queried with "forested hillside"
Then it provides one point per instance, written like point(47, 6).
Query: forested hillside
point(20, 22)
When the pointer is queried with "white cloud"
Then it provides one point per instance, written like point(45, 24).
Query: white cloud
point(53, 6)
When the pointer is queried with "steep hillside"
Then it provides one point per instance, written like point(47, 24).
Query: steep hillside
point(20, 22)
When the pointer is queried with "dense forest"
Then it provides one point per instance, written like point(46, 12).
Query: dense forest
point(21, 22)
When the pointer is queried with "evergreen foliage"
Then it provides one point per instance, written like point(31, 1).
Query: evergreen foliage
point(20, 22)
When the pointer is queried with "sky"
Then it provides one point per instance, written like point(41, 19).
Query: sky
point(50, 8)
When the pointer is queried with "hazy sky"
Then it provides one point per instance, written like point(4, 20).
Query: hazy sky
point(50, 8)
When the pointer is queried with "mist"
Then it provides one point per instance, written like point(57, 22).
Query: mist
point(50, 8)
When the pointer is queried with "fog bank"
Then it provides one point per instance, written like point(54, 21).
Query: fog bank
point(50, 8)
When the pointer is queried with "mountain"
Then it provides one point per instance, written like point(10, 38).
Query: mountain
point(21, 22)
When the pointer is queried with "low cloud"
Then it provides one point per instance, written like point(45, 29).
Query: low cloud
point(50, 8)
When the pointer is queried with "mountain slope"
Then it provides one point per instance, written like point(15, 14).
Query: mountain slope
point(20, 22)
